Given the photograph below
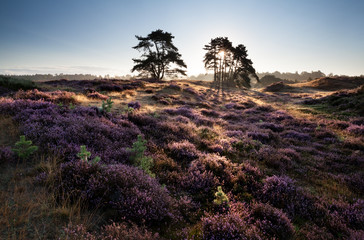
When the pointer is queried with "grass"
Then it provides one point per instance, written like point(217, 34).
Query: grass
point(16, 84)
point(31, 211)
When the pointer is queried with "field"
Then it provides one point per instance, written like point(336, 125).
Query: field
point(178, 160)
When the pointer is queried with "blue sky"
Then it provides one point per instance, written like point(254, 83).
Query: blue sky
point(95, 36)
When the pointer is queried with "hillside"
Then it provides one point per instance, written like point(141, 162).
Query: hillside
point(138, 159)
point(333, 83)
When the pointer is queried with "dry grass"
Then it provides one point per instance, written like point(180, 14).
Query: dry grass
point(31, 211)
point(9, 131)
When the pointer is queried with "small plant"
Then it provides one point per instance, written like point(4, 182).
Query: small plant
point(84, 155)
point(138, 156)
point(24, 148)
point(221, 197)
point(106, 106)
point(72, 106)
point(128, 110)
point(134, 105)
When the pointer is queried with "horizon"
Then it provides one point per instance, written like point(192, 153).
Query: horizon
point(91, 37)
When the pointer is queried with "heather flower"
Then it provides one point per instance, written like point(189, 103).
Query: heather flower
point(134, 105)
point(124, 190)
point(271, 221)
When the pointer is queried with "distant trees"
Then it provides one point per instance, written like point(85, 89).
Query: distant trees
point(230, 64)
point(160, 57)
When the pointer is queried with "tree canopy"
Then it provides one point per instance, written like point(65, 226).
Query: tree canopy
point(160, 57)
point(230, 64)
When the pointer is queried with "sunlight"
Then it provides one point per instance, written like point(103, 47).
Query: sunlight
point(221, 54)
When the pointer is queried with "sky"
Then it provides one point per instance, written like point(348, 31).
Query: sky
point(97, 36)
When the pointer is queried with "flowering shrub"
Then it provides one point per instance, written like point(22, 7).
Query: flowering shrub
point(199, 182)
point(62, 131)
point(109, 232)
point(352, 214)
point(6, 155)
point(282, 193)
point(183, 152)
point(295, 135)
point(271, 221)
point(55, 97)
point(128, 191)
point(174, 87)
point(96, 95)
point(210, 113)
point(272, 126)
point(357, 130)
point(190, 90)
point(228, 226)
point(134, 105)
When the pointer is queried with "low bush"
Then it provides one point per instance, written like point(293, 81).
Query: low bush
point(125, 191)
point(272, 222)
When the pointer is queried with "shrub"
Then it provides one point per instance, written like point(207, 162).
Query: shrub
point(96, 95)
point(282, 193)
point(199, 182)
point(106, 106)
point(110, 88)
point(272, 126)
point(174, 87)
point(190, 90)
point(272, 222)
point(6, 155)
point(134, 105)
point(59, 97)
point(351, 214)
point(295, 135)
point(108, 232)
point(210, 113)
point(123, 190)
point(357, 130)
point(138, 156)
point(183, 152)
point(62, 130)
point(220, 197)
point(24, 148)
point(227, 226)
point(84, 155)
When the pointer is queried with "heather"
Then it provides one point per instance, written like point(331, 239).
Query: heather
point(177, 160)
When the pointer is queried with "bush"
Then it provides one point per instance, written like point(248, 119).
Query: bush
point(282, 193)
point(123, 190)
point(227, 226)
point(138, 156)
point(272, 222)
point(62, 130)
point(59, 97)
point(24, 148)
point(96, 95)
point(199, 182)
point(109, 232)
point(183, 152)
point(6, 155)
point(134, 105)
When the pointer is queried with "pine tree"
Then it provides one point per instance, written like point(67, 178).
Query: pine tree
point(160, 57)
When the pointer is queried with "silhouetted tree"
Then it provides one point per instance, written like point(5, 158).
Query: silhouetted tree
point(160, 57)
point(230, 64)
